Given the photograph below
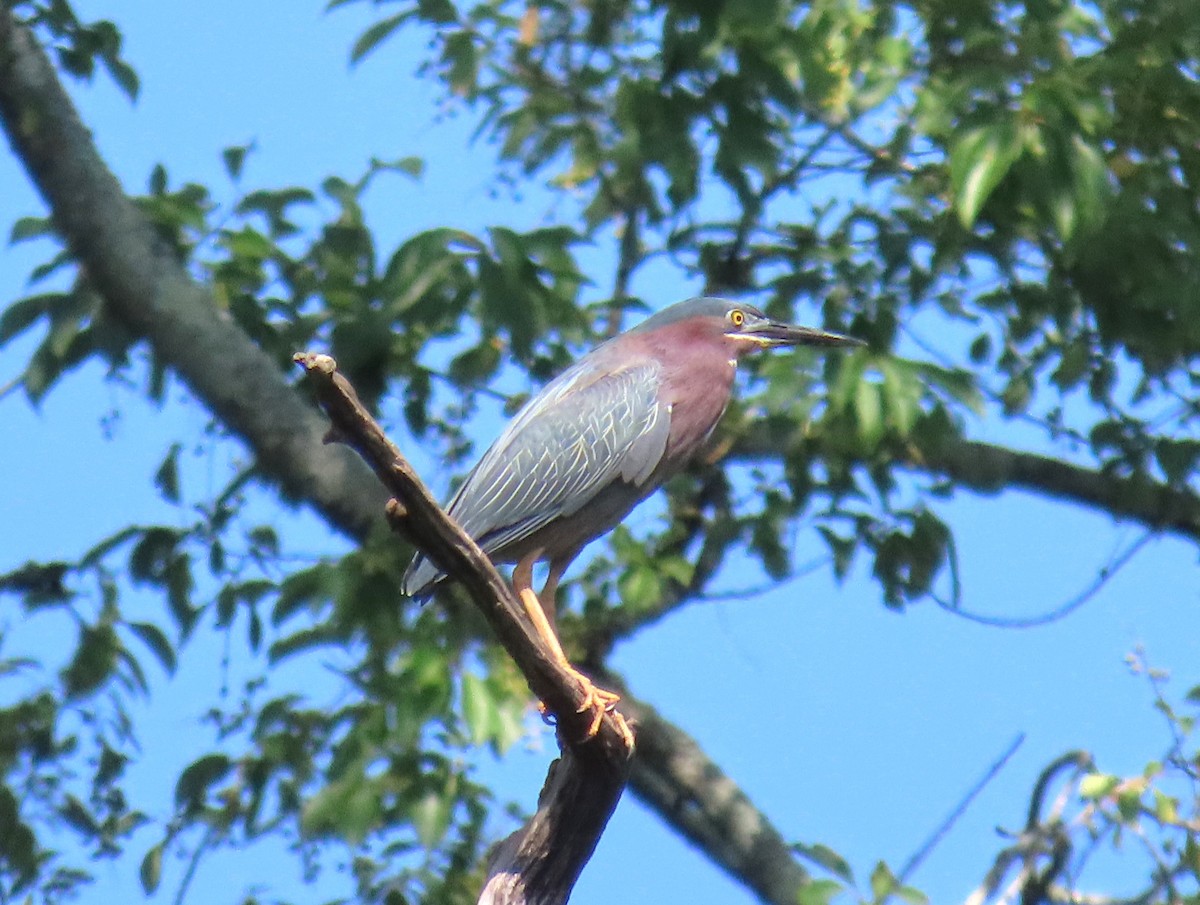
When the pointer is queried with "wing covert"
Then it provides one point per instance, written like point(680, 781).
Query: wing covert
point(587, 428)
point(566, 446)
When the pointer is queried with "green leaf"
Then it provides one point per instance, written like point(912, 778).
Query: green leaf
point(823, 856)
point(307, 589)
point(94, 660)
point(410, 166)
point(155, 639)
point(376, 33)
point(166, 479)
point(639, 587)
point(1091, 185)
point(883, 882)
point(842, 549)
point(301, 641)
point(234, 158)
point(868, 412)
point(349, 807)
point(1177, 459)
point(150, 872)
point(30, 228)
point(978, 161)
point(431, 815)
point(124, 75)
point(63, 259)
point(78, 816)
point(819, 892)
point(40, 583)
point(912, 895)
point(24, 313)
point(151, 555)
point(19, 848)
point(462, 62)
point(479, 709)
point(191, 789)
point(1098, 785)
point(97, 553)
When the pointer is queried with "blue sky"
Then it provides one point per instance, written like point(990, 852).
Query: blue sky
point(848, 724)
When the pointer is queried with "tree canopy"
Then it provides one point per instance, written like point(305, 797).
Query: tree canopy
point(1001, 199)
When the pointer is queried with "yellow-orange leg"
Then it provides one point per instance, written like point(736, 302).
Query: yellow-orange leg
point(598, 700)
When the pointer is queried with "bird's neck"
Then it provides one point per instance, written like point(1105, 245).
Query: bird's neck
point(698, 375)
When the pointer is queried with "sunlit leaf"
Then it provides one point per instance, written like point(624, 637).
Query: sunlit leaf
point(979, 160)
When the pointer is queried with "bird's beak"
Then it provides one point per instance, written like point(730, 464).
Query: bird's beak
point(773, 334)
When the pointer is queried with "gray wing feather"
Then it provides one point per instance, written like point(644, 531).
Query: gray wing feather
point(587, 428)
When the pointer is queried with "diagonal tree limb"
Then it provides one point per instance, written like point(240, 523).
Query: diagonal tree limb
point(147, 288)
point(988, 468)
point(540, 862)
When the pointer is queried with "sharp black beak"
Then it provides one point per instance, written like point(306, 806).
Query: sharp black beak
point(778, 333)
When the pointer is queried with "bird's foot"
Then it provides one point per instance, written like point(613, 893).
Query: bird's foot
point(598, 701)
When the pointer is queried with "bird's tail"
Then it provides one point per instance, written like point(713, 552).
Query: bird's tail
point(420, 578)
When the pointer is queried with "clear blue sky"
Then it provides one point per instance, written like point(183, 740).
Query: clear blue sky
point(848, 724)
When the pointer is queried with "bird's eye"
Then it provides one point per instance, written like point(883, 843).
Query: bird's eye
point(736, 317)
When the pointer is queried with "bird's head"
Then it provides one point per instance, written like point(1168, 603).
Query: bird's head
point(739, 327)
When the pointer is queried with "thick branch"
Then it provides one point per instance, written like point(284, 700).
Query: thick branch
point(987, 468)
point(152, 294)
point(541, 862)
point(990, 469)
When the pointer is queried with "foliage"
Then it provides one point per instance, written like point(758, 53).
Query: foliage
point(1018, 180)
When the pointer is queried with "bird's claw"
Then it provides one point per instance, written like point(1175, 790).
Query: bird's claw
point(598, 700)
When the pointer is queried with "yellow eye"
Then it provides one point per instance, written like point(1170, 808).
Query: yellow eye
point(736, 317)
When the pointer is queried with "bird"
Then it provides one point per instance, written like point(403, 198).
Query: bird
point(598, 439)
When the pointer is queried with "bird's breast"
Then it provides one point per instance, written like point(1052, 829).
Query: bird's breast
point(696, 403)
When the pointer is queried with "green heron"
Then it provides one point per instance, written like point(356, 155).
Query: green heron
point(599, 438)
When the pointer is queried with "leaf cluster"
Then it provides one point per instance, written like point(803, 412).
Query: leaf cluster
point(1000, 199)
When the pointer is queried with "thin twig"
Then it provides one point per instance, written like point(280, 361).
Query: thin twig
point(194, 864)
point(746, 593)
point(1107, 573)
point(952, 818)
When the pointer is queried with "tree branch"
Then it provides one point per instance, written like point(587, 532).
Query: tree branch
point(987, 468)
point(540, 862)
point(147, 288)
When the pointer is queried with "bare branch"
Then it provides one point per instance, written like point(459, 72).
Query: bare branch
point(540, 862)
point(1105, 574)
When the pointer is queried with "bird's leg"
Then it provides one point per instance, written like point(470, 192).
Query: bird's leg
point(596, 699)
point(549, 596)
point(522, 580)
point(549, 605)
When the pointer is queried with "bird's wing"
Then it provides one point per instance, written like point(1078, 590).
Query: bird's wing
point(587, 428)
